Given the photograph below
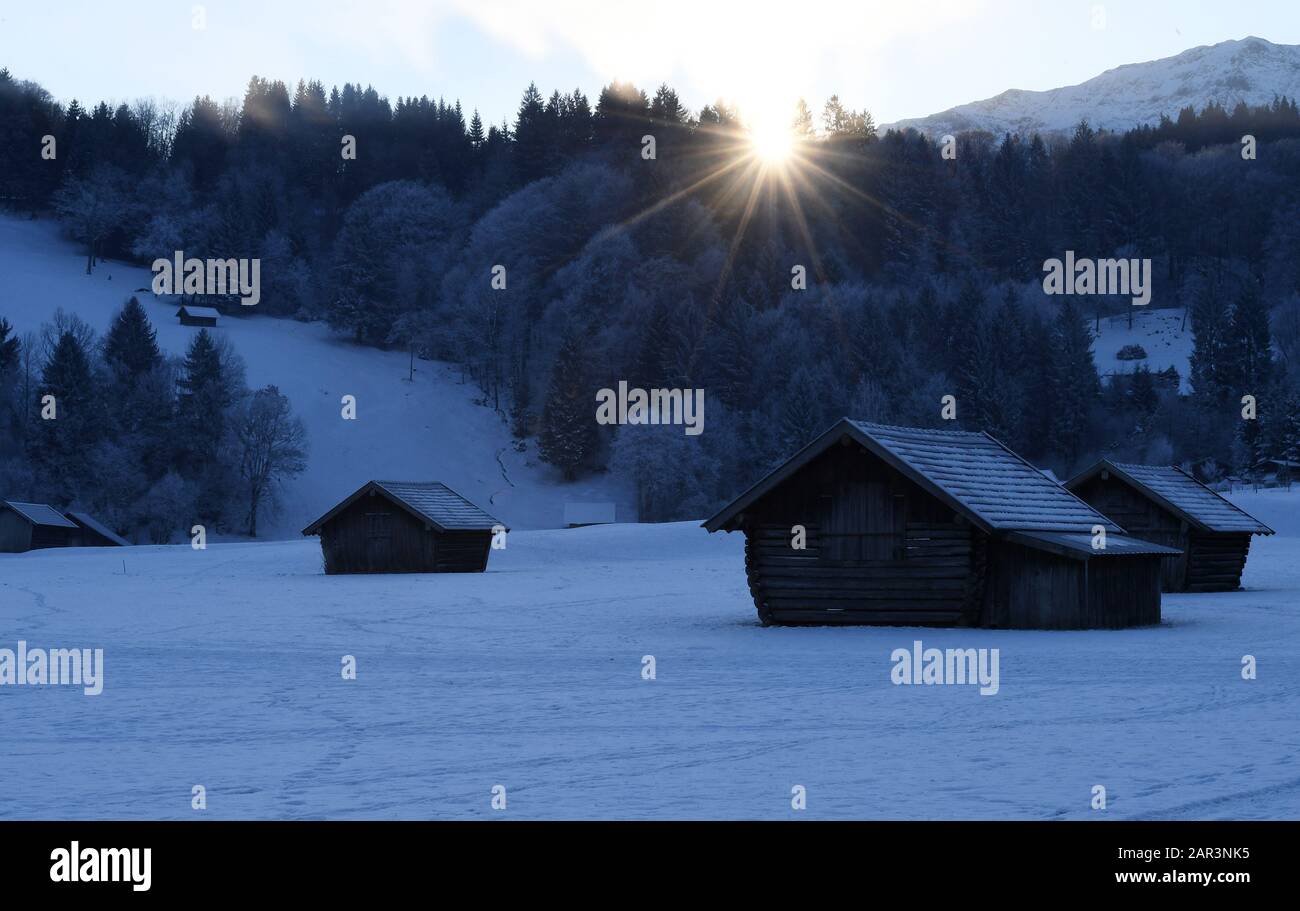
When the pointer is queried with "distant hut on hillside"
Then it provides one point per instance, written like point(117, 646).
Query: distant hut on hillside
point(579, 515)
point(32, 526)
point(93, 533)
point(405, 527)
point(1169, 506)
point(934, 527)
point(191, 315)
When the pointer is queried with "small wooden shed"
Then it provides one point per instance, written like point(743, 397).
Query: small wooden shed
point(580, 515)
point(93, 533)
point(191, 315)
point(405, 527)
point(1167, 505)
point(934, 527)
point(32, 526)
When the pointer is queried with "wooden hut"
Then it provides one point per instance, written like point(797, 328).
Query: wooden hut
point(1169, 506)
point(190, 315)
point(93, 533)
point(405, 527)
point(580, 515)
point(934, 527)
point(32, 526)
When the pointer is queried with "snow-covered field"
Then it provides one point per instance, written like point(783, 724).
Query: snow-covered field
point(222, 669)
point(429, 430)
point(1162, 335)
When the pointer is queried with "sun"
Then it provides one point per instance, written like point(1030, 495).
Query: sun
point(771, 141)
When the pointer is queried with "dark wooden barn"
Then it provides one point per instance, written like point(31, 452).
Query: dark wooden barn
point(405, 527)
point(93, 533)
point(934, 527)
point(1169, 506)
point(191, 315)
point(32, 526)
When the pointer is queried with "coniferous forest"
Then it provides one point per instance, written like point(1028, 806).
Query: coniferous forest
point(923, 273)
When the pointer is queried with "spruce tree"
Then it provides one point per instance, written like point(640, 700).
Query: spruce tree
point(131, 346)
point(1209, 332)
point(1248, 348)
point(69, 422)
point(10, 356)
point(568, 436)
point(799, 417)
point(1073, 384)
point(205, 394)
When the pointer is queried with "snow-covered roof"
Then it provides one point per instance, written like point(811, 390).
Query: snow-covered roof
point(430, 501)
point(972, 472)
point(589, 513)
point(40, 514)
point(999, 488)
point(1181, 494)
point(88, 521)
point(1081, 545)
point(205, 312)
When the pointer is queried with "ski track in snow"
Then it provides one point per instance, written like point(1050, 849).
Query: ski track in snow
point(222, 668)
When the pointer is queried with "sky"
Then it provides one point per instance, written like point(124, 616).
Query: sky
point(896, 59)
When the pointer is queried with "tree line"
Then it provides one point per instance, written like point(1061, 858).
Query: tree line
point(152, 446)
point(923, 267)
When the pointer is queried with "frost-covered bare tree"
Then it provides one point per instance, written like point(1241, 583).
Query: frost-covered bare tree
point(272, 446)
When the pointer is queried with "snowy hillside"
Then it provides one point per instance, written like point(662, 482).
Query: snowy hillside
point(426, 430)
point(1160, 333)
point(222, 668)
point(1251, 70)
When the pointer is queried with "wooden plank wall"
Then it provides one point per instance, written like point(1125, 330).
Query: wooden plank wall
point(15, 532)
point(1123, 592)
point(374, 535)
point(1143, 518)
point(1034, 589)
point(878, 548)
point(1217, 561)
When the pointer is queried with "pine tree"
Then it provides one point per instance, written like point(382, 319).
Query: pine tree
point(205, 394)
point(67, 431)
point(1209, 332)
point(1142, 390)
point(802, 124)
point(131, 346)
point(568, 435)
point(1073, 383)
point(799, 417)
point(10, 357)
point(1248, 347)
point(533, 137)
point(10, 348)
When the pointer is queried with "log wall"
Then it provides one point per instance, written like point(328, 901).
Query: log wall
point(374, 535)
point(1216, 561)
point(878, 549)
point(1142, 518)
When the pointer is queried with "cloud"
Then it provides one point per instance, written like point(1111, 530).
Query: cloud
point(742, 51)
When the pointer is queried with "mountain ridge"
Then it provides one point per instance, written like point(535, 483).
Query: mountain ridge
point(1249, 69)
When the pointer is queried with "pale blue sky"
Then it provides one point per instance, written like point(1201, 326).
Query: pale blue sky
point(898, 59)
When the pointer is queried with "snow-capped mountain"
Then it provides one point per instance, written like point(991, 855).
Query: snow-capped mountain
point(1251, 70)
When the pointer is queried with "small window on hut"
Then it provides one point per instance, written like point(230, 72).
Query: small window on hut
point(379, 525)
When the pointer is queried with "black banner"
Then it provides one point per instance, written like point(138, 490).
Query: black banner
point(333, 859)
